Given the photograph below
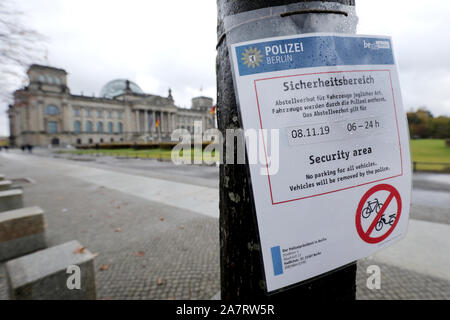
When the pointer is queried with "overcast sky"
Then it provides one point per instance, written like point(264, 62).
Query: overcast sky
point(172, 44)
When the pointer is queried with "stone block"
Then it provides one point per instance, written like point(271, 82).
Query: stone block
point(5, 185)
point(22, 231)
point(44, 275)
point(11, 199)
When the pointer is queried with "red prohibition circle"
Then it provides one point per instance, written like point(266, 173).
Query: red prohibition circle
point(393, 194)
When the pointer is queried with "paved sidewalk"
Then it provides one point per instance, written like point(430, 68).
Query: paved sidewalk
point(158, 243)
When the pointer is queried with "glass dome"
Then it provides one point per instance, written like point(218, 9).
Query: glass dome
point(117, 87)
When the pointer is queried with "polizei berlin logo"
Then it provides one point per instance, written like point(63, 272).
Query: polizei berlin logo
point(252, 57)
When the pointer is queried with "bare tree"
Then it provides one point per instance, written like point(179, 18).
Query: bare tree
point(20, 46)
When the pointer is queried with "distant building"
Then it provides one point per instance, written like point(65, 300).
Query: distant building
point(46, 113)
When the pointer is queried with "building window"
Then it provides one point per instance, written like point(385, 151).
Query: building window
point(76, 112)
point(89, 126)
point(119, 115)
point(41, 78)
point(52, 127)
point(99, 114)
point(99, 127)
point(52, 110)
point(112, 139)
point(77, 126)
point(101, 141)
point(109, 114)
point(110, 127)
point(79, 141)
point(91, 141)
point(120, 127)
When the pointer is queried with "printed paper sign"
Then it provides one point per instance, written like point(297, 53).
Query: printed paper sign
point(343, 186)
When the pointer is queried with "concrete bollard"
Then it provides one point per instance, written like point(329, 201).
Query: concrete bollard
point(5, 185)
point(53, 274)
point(11, 200)
point(22, 231)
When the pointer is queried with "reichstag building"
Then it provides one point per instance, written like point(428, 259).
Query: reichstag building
point(46, 113)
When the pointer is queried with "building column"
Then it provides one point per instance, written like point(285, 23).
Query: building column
point(138, 125)
point(153, 121)
point(174, 125)
point(204, 126)
point(163, 121)
point(146, 121)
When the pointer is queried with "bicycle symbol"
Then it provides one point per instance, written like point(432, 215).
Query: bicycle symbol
point(371, 207)
point(375, 206)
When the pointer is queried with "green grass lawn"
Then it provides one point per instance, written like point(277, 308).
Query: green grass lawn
point(432, 151)
point(424, 150)
point(163, 154)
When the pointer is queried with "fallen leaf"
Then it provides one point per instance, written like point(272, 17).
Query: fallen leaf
point(104, 267)
point(80, 250)
point(118, 207)
point(140, 253)
point(159, 282)
point(181, 227)
point(95, 254)
point(161, 219)
point(118, 230)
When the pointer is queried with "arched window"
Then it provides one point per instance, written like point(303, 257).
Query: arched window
point(77, 126)
point(120, 127)
point(52, 110)
point(110, 127)
point(99, 127)
point(89, 126)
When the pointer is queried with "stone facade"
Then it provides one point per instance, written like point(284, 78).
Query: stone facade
point(46, 113)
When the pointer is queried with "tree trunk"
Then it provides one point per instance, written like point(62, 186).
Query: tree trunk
point(240, 256)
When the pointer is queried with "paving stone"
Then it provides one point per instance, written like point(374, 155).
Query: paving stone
point(44, 275)
point(11, 199)
point(5, 185)
point(22, 231)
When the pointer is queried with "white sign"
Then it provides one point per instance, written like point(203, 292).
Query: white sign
point(343, 187)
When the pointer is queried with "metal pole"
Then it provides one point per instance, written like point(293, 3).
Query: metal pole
point(240, 256)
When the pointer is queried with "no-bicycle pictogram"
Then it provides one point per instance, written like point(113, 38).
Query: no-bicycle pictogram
point(378, 213)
